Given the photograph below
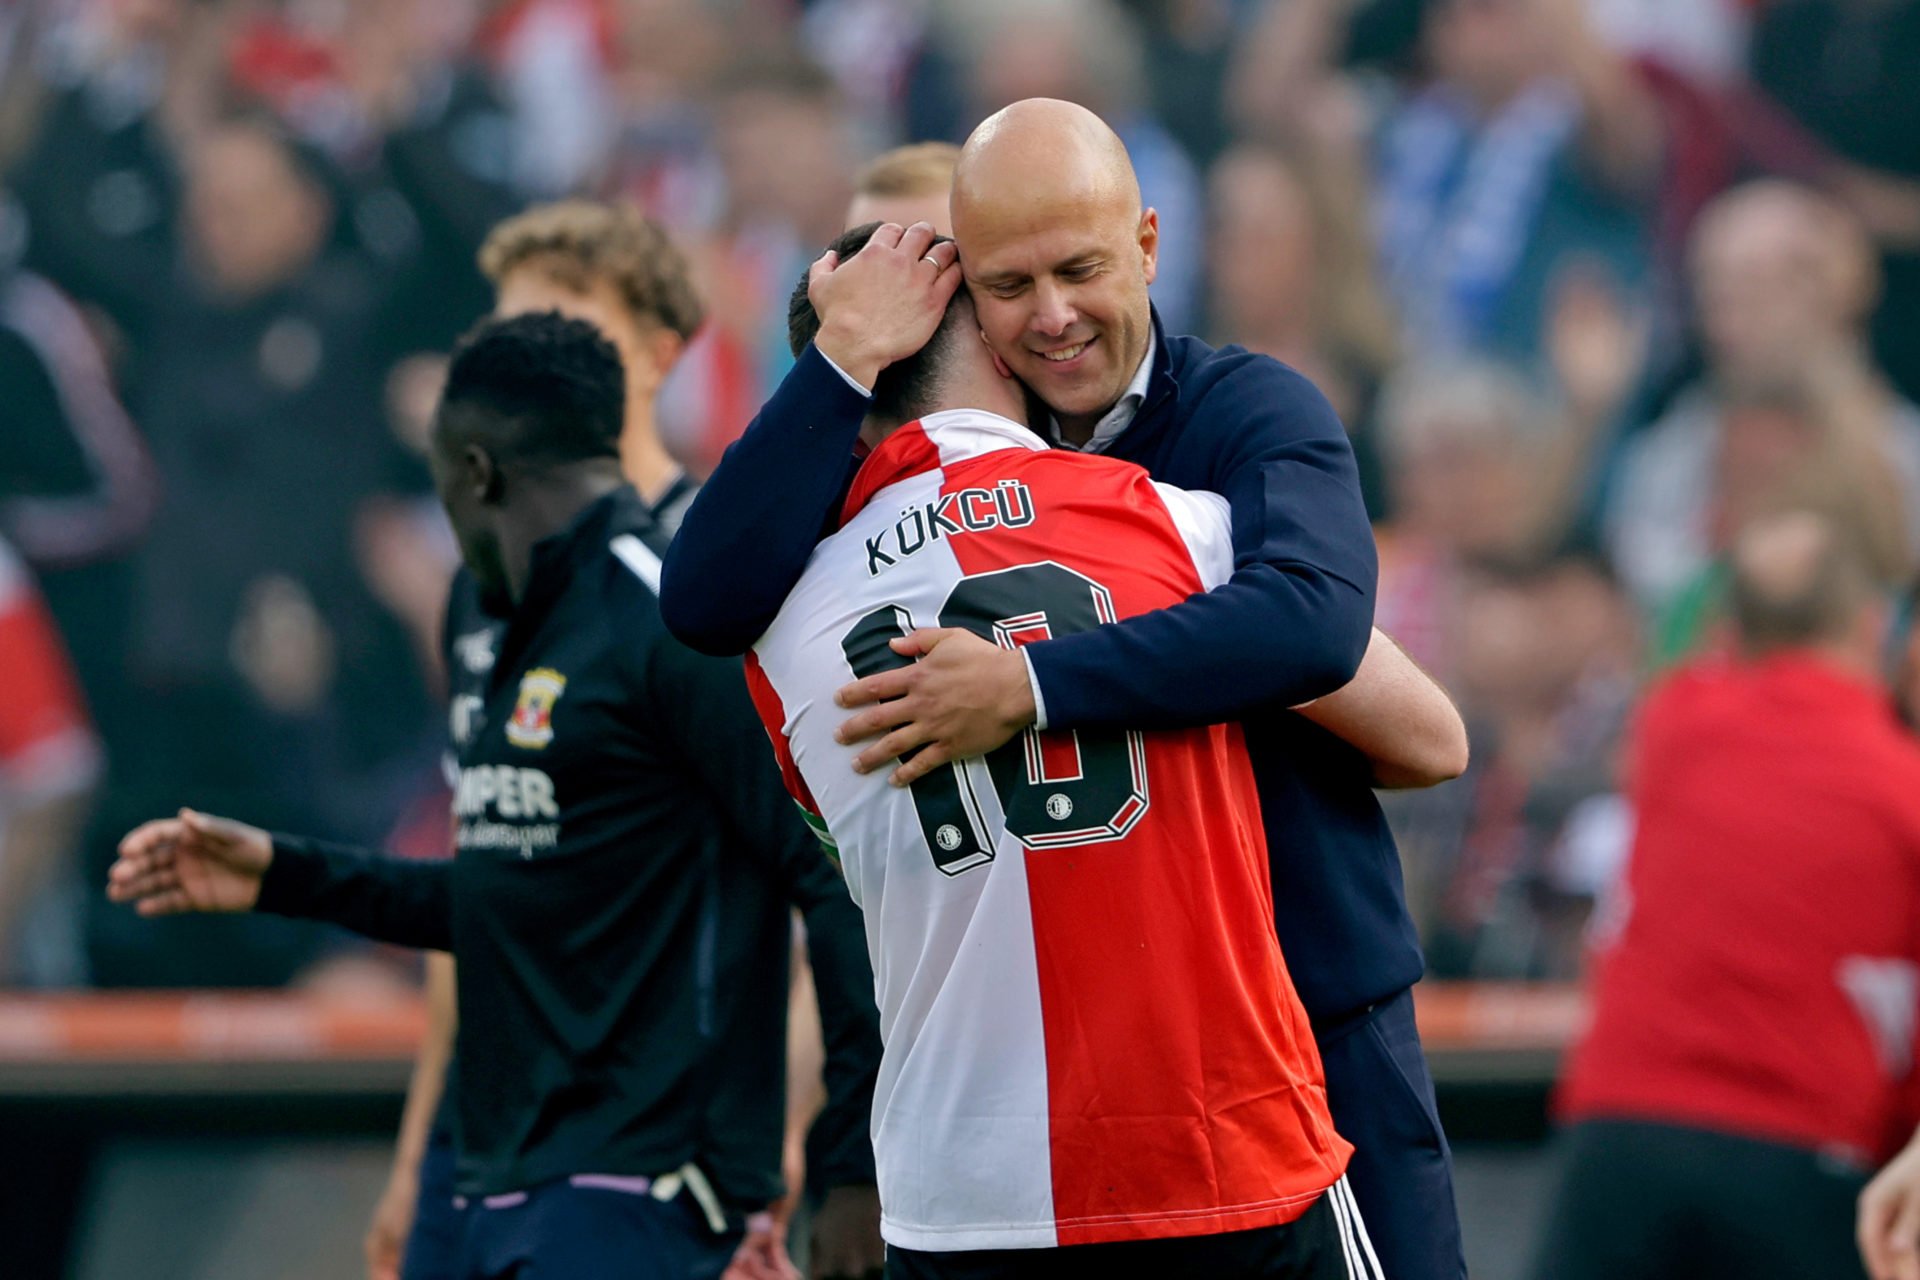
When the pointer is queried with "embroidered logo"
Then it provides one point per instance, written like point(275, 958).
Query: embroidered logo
point(532, 724)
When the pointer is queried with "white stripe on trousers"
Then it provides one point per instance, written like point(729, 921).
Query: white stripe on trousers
point(1362, 1262)
point(1339, 1207)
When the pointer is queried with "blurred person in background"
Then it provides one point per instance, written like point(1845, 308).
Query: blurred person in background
point(252, 619)
point(1752, 1036)
point(121, 86)
point(1528, 149)
point(1784, 282)
point(1887, 1217)
point(620, 1034)
point(418, 135)
point(1845, 70)
point(667, 52)
point(1480, 467)
point(896, 68)
point(77, 484)
point(1482, 472)
point(785, 157)
point(906, 185)
point(554, 62)
point(1090, 52)
point(49, 761)
point(1189, 46)
point(1511, 858)
point(1290, 275)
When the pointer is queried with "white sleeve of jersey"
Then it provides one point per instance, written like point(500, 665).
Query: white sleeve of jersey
point(1206, 524)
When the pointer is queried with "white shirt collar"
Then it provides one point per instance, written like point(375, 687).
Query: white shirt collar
point(1120, 417)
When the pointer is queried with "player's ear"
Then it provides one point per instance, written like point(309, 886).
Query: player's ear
point(482, 475)
point(1150, 243)
point(663, 349)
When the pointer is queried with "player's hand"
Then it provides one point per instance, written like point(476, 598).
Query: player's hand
point(194, 862)
point(882, 304)
point(964, 697)
point(1888, 1221)
point(762, 1254)
point(386, 1240)
point(846, 1236)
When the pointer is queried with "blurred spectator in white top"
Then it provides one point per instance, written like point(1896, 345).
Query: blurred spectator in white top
point(1784, 282)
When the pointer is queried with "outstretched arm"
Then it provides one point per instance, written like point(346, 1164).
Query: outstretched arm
point(1398, 716)
point(747, 536)
point(197, 862)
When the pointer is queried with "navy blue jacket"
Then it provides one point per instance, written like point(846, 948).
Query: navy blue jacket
point(1291, 625)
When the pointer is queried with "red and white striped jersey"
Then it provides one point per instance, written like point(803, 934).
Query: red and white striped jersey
point(1090, 1033)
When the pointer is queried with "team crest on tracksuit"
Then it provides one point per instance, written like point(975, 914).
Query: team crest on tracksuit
point(532, 723)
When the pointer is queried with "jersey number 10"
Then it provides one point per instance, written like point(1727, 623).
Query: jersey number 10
point(1056, 789)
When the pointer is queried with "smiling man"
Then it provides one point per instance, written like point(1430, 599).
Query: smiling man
point(1058, 255)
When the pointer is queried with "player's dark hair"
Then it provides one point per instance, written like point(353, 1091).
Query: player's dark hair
point(538, 390)
point(906, 389)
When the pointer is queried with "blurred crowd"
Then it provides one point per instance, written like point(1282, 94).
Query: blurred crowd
point(1593, 283)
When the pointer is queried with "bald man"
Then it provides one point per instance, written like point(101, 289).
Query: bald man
point(1057, 254)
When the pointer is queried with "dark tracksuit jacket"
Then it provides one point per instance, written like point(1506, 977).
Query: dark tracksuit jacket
point(618, 900)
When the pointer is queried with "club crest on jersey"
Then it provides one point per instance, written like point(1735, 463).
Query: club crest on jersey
point(532, 724)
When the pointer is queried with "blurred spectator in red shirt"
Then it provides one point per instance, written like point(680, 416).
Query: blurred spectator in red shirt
point(1754, 1001)
point(48, 762)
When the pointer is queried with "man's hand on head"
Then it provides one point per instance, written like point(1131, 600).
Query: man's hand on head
point(884, 303)
point(964, 697)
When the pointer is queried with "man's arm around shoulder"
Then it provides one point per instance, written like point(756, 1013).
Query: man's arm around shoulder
point(1294, 620)
point(745, 540)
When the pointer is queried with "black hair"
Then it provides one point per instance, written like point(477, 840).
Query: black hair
point(906, 389)
point(538, 390)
